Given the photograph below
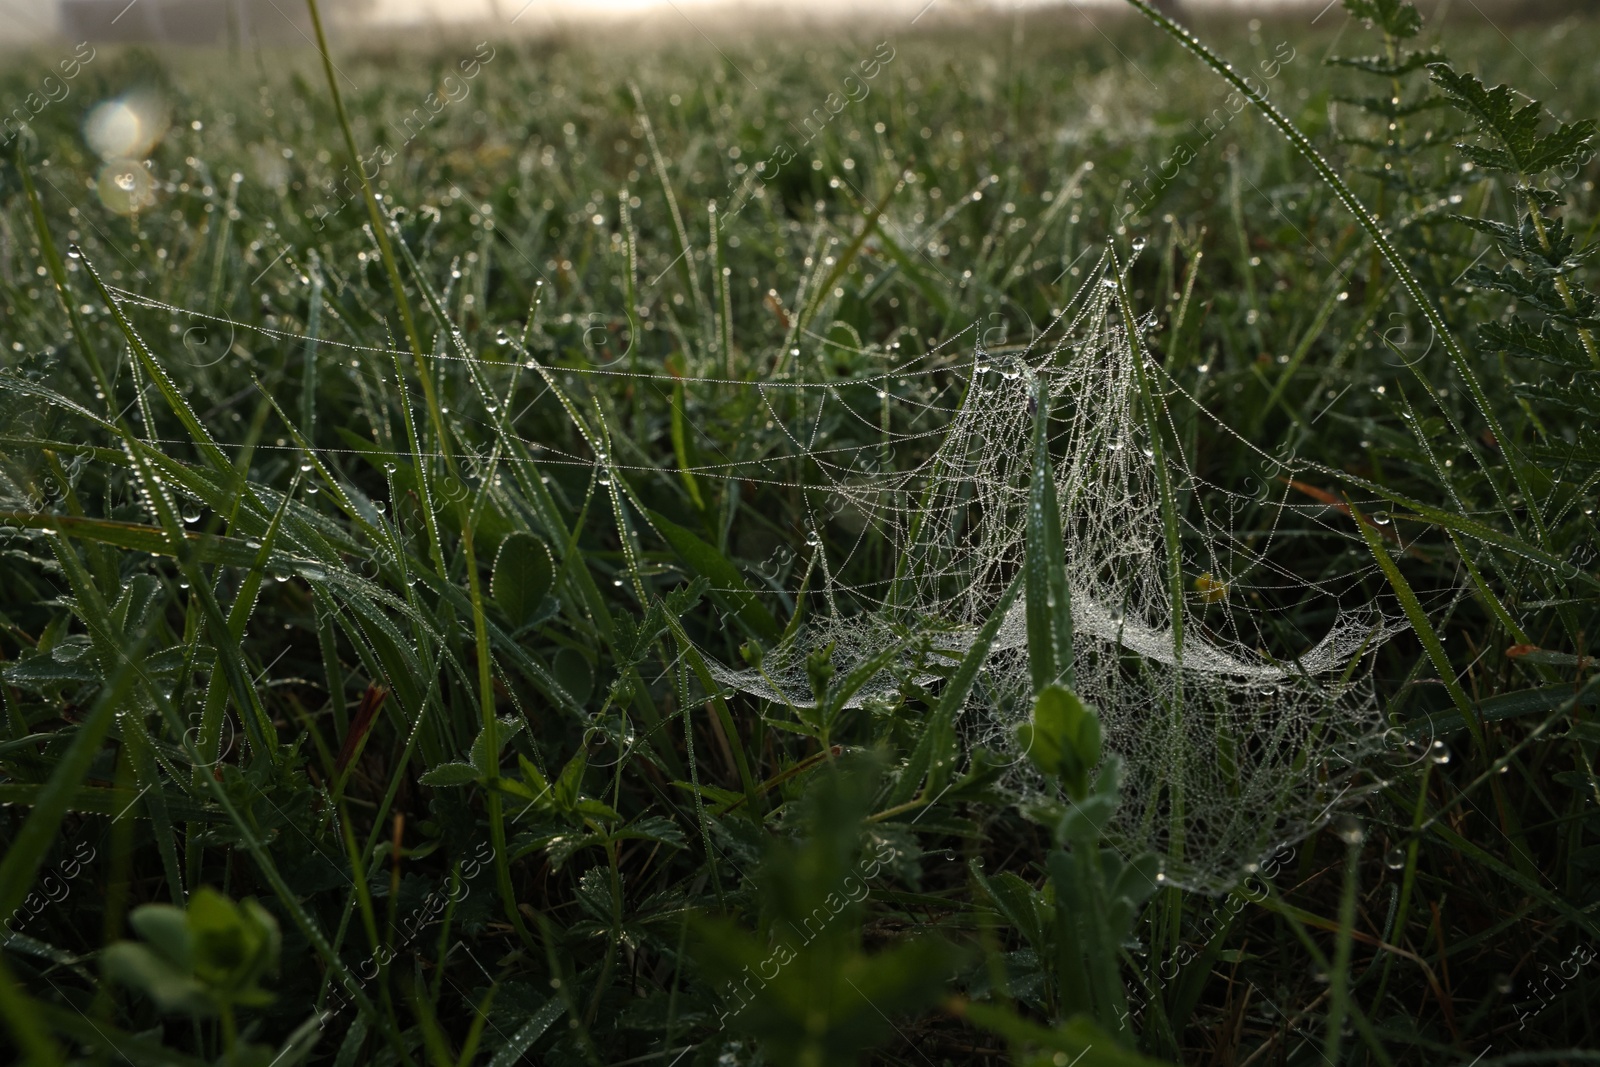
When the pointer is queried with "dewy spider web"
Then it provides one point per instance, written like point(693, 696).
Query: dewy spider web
point(1227, 739)
point(1243, 739)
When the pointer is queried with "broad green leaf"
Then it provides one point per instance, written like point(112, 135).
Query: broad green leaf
point(523, 576)
point(137, 967)
point(448, 774)
point(573, 674)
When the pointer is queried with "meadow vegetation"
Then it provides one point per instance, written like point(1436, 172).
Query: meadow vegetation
point(406, 458)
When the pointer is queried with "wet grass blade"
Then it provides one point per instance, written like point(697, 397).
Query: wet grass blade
point(1049, 596)
point(1421, 625)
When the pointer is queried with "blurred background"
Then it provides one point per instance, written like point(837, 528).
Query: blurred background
point(210, 22)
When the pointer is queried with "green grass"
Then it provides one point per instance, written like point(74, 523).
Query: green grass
point(380, 574)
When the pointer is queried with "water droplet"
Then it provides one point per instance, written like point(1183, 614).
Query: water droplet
point(1395, 858)
point(126, 182)
point(280, 576)
point(1138, 245)
point(391, 466)
point(74, 254)
point(1204, 368)
point(813, 539)
point(1439, 753)
point(191, 513)
point(500, 338)
point(1381, 518)
point(305, 466)
point(1109, 283)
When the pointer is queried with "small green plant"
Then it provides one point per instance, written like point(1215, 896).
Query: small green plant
point(801, 983)
point(206, 959)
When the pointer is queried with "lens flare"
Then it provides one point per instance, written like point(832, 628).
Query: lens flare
point(127, 126)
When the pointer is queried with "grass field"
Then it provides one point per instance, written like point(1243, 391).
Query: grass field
point(589, 550)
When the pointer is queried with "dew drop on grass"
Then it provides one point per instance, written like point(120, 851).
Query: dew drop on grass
point(1381, 518)
point(1138, 244)
point(1439, 753)
point(1395, 858)
point(191, 513)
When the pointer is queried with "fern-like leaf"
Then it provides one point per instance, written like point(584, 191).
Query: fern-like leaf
point(1550, 342)
point(1404, 63)
point(1395, 17)
point(1518, 146)
point(1538, 292)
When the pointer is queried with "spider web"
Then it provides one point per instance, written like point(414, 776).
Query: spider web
point(1226, 737)
point(1242, 738)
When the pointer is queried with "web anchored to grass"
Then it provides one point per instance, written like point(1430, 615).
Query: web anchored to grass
point(1239, 735)
point(1240, 732)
